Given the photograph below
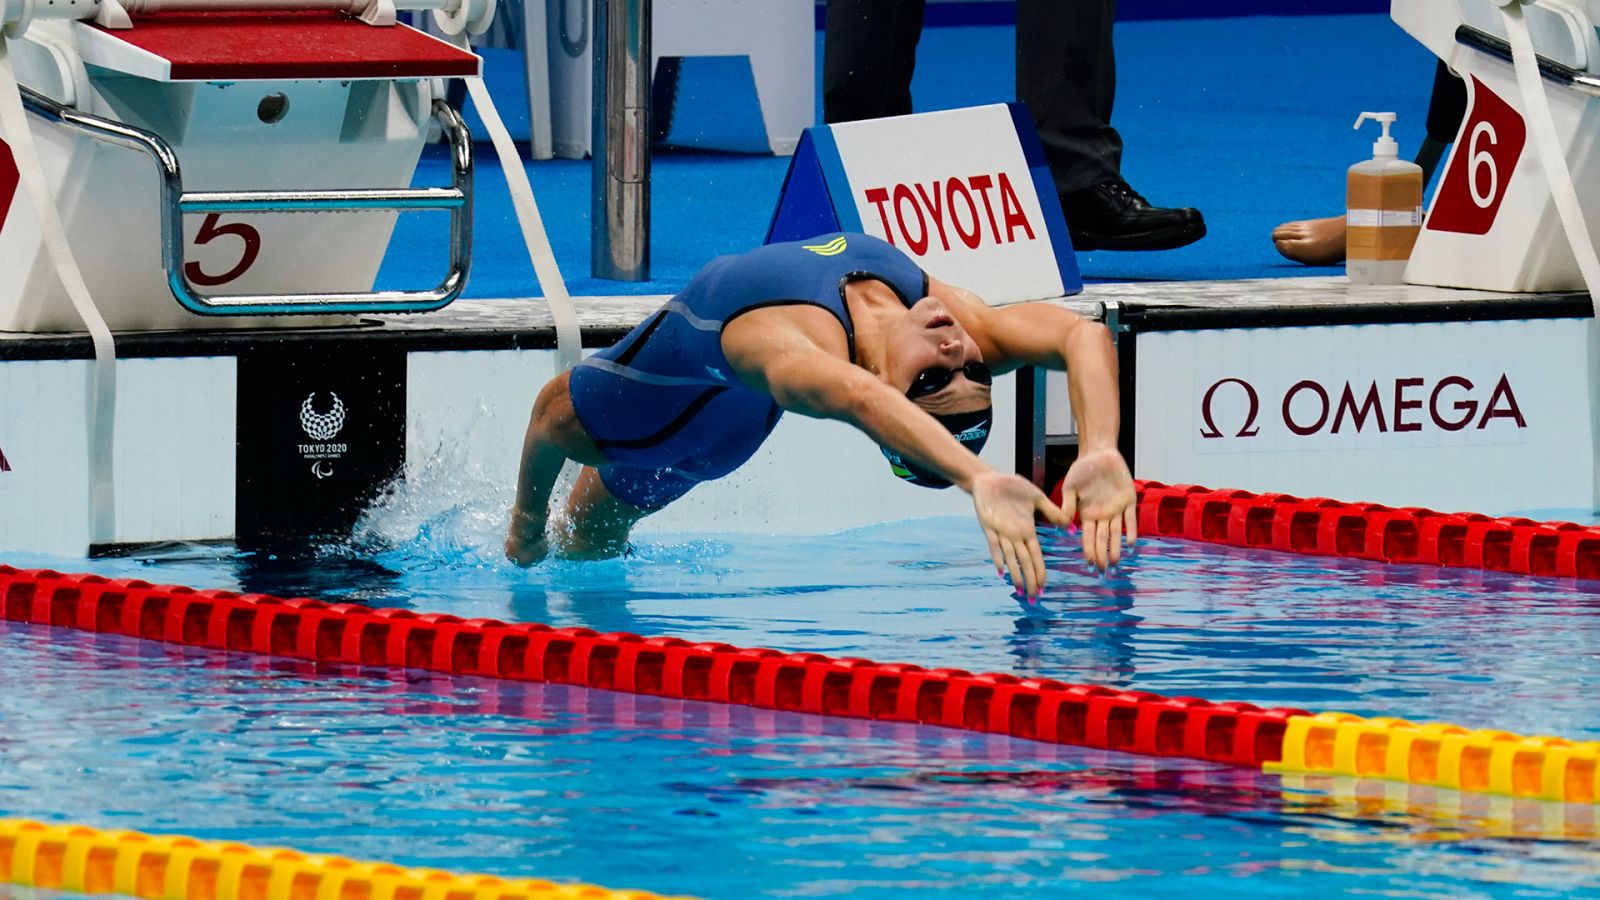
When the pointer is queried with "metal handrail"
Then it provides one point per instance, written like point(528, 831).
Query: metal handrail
point(175, 204)
point(1558, 72)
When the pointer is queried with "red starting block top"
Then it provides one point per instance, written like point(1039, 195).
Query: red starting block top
point(270, 46)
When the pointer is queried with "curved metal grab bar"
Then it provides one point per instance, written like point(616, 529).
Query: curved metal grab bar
point(175, 204)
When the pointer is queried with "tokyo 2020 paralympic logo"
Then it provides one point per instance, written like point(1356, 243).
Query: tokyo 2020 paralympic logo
point(322, 426)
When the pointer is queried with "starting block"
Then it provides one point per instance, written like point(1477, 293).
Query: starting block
point(1493, 223)
point(243, 162)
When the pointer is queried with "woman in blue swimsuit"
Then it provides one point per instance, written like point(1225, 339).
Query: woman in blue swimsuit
point(842, 326)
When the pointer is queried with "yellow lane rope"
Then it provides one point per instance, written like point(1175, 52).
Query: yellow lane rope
point(1440, 755)
point(174, 867)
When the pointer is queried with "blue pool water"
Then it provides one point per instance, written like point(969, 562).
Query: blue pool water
point(618, 790)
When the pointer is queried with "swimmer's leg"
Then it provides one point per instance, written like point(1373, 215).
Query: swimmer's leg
point(597, 523)
point(554, 436)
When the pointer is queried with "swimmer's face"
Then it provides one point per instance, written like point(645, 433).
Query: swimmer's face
point(927, 337)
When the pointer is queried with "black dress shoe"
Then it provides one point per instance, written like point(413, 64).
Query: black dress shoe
point(1112, 216)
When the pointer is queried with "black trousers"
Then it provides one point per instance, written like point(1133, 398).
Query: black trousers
point(1065, 71)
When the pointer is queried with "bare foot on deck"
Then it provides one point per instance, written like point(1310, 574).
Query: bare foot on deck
point(1315, 242)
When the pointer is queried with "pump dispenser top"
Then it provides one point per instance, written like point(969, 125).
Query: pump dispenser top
point(1385, 147)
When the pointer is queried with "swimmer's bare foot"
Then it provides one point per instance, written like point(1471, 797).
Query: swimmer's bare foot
point(526, 543)
point(1314, 242)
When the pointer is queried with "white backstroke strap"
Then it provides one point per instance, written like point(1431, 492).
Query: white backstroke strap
point(103, 383)
point(1541, 123)
point(569, 339)
point(569, 342)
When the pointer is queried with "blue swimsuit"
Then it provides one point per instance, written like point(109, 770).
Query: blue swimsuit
point(664, 406)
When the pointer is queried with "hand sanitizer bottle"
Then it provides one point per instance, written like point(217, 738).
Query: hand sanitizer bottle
point(1383, 210)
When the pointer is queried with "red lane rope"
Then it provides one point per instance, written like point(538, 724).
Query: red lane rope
point(1321, 527)
point(1030, 708)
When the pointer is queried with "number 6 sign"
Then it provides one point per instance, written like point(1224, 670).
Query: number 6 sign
point(1487, 150)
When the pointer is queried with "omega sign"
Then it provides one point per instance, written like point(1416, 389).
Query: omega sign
point(1310, 407)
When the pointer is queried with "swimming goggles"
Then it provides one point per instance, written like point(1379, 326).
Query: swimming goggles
point(932, 380)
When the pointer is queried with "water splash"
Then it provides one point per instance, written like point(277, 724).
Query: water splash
point(448, 512)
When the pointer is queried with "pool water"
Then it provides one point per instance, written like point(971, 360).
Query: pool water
point(720, 802)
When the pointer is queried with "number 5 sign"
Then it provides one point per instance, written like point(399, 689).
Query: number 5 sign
point(1486, 152)
point(209, 231)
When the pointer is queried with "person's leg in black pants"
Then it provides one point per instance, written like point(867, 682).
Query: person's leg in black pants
point(1067, 74)
point(868, 55)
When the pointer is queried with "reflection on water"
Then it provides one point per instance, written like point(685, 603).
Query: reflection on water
point(528, 779)
point(827, 808)
point(1479, 649)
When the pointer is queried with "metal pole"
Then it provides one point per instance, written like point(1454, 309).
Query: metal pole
point(1030, 424)
point(620, 195)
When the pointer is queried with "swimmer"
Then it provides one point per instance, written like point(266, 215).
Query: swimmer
point(842, 326)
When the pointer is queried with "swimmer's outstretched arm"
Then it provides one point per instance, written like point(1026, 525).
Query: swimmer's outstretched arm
point(1098, 486)
point(779, 351)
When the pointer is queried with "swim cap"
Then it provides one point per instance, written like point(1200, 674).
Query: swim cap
point(970, 428)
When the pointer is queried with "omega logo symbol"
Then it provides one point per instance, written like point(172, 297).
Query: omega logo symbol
point(1248, 429)
point(322, 426)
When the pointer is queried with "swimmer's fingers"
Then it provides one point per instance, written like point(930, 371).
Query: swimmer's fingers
point(1036, 559)
point(1019, 574)
point(1050, 512)
point(994, 551)
point(1029, 564)
point(1113, 532)
point(1069, 506)
point(1091, 543)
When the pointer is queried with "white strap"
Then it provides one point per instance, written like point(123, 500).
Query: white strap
point(103, 384)
point(1548, 145)
point(569, 346)
point(569, 340)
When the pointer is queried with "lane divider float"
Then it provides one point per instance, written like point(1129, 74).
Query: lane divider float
point(134, 864)
point(1321, 527)
point(1440, 755)
point(1240, 734)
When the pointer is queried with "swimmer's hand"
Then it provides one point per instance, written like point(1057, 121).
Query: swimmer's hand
point(1099, 489)
point(526, 543)
point(1006, 505)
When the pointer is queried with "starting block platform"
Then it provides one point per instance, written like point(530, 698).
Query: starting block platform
point(1303, 385)
point(284, 45)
